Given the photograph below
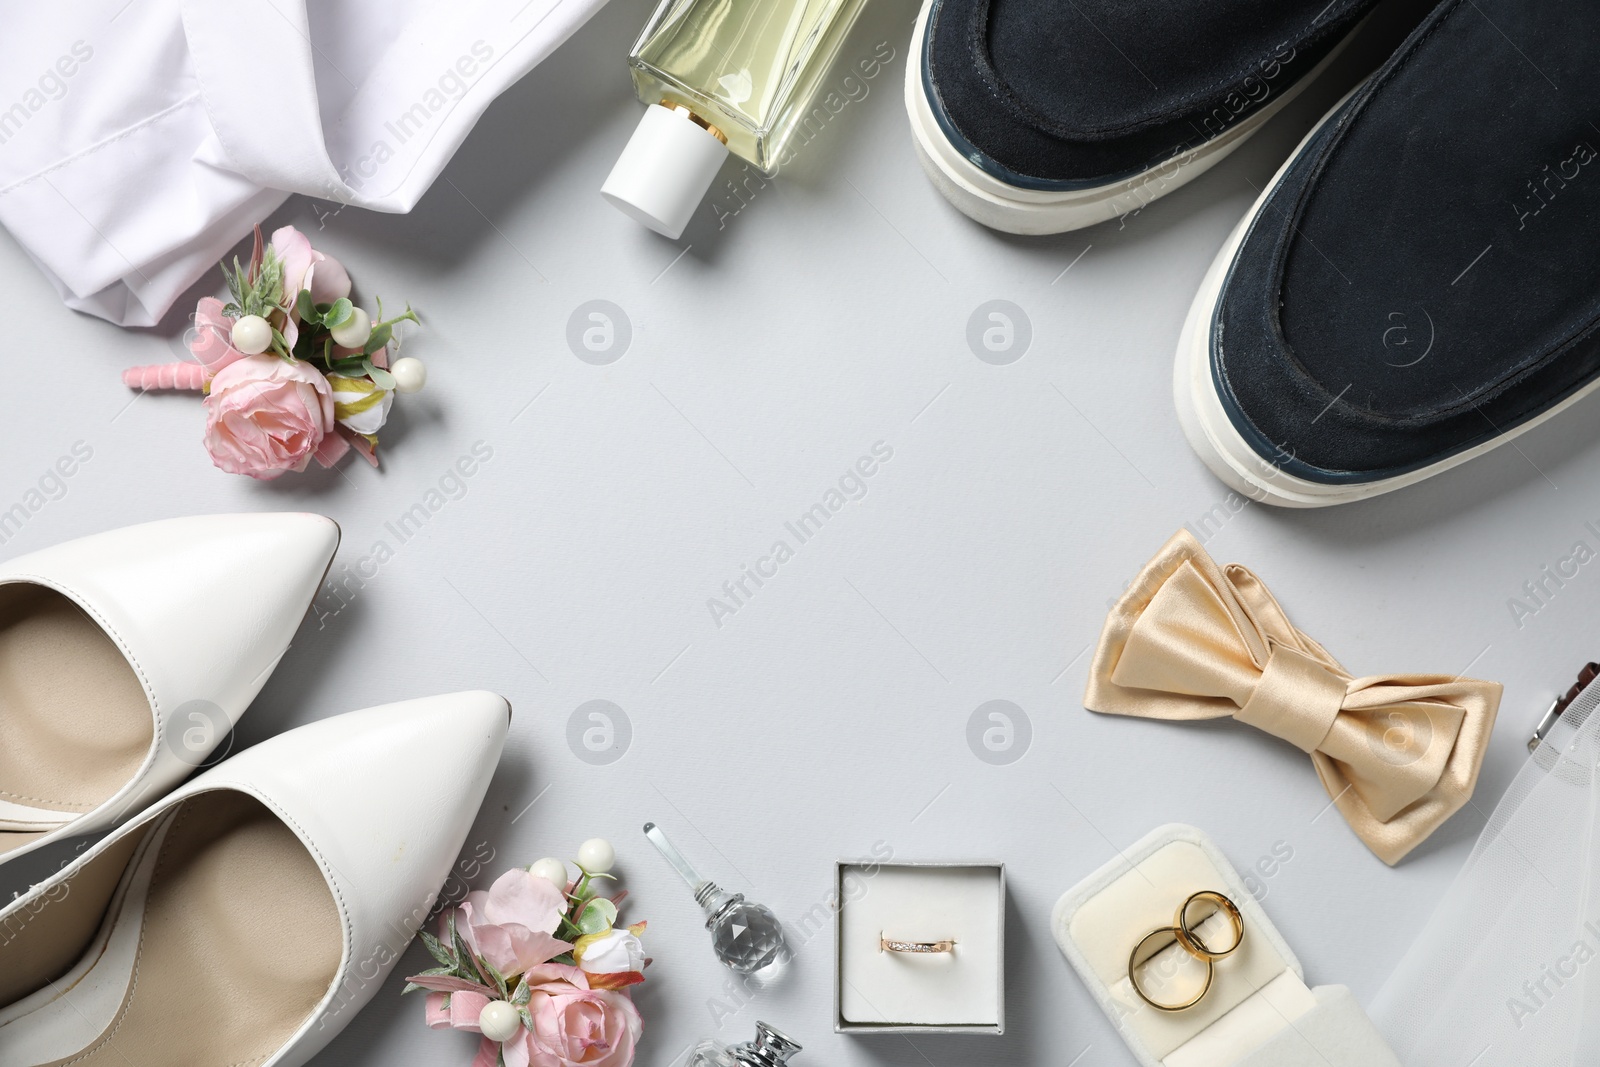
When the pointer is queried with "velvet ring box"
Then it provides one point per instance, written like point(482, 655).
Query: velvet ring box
point(876, 990)
point(1258, 1011)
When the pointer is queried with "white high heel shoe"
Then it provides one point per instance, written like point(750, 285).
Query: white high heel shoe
point(248, 916)
point(126, 657)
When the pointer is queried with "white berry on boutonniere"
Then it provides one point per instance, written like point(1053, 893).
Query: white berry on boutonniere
point(537, 968)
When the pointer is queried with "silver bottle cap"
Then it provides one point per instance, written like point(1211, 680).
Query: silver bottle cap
point(771, 1048)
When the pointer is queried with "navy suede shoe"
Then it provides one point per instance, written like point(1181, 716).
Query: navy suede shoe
point(1421, 281)
point(1038, 116)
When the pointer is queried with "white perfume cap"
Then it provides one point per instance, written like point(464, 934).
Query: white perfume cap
point(664, 173)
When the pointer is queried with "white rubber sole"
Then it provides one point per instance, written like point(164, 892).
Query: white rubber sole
point(1219, 444)
point(1008, 208)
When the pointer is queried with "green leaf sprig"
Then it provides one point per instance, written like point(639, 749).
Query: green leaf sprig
point(255, 290)
point(317, 323)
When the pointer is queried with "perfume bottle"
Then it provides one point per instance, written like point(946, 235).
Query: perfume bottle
point(745, 935)
point(719, 76)
point(771, 1048)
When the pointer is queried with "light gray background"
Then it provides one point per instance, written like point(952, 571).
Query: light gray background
point(831, 711)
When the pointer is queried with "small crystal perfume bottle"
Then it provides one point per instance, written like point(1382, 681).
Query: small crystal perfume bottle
point(746, 936)
point(720, 76)
point(771, 1048)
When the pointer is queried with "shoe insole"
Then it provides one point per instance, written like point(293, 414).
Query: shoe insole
point(75, 725)
point(66, 1013)
point(239, 940)
point(10, 842)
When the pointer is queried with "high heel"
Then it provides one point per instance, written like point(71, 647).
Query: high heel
point(126, 658)
point(245, 918)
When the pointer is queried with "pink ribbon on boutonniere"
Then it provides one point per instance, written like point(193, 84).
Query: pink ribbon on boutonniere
point(1399, 754)
point(457, 1008)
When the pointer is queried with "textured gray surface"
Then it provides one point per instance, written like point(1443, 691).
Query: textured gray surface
point(831, 710)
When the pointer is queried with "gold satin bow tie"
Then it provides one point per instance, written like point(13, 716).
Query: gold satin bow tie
point(1399, 754)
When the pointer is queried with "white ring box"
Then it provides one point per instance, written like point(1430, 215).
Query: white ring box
point(1258, 1012)
point(885, 992)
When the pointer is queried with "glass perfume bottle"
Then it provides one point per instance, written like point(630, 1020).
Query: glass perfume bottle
point(745, 935)
point(720, 76)
point(771, 1048)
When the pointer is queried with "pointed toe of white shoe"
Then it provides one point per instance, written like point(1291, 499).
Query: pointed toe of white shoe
point(127, 656)
point(288, 879)
point(386, 797)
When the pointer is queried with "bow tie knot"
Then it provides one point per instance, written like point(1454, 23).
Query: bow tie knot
point(1296, 699)
point(1399, 754)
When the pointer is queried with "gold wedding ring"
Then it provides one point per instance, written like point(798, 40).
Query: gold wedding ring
point(1138, 957)
point(1183, 933)
point(1186, 930)
point(889, 944)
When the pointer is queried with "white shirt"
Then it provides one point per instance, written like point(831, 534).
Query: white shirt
point(141, 139)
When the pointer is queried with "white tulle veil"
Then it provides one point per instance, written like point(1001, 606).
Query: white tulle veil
point(1507, 971)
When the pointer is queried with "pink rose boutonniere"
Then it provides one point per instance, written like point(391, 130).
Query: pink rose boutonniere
point(538, 968)
point(291, 369)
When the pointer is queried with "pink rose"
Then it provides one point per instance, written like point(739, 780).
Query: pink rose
point(575, 1026)
point(211, 341)
point(511, 926)
point(266, 415)
point(306, 268)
